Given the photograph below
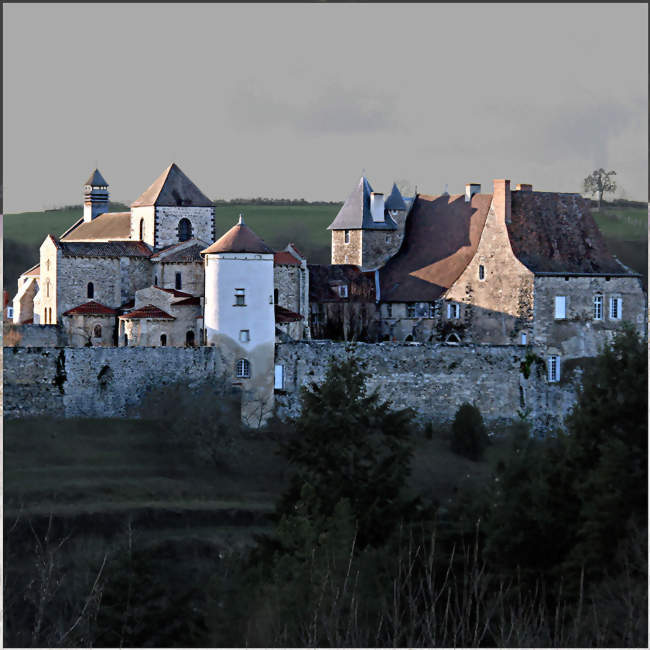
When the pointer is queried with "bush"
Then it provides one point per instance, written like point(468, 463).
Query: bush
point(468, 433)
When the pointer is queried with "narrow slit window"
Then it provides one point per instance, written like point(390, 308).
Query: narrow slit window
point(91, 290)
point(346, 236)
point(481, 272)
point(179, 282)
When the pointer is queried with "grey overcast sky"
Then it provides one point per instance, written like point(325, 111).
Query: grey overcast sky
point(295, 100)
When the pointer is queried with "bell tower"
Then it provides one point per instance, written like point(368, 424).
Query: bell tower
point(95, 196)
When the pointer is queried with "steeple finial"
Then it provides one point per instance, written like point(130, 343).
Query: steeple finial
point(241, 219)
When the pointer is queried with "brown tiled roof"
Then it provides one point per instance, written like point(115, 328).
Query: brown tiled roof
point(440, 238)
point(105, 249)
point(285, 257)
point(34, 271)
point(239, 239)
point(187, 254)
point(105, 227)
point(172, 188)
point(325, 278)
point(148, 311)
point(175, 292)
point(295, 248)
point(551, 232)
point(91, 308)
point(283, 315)
point(194, 300)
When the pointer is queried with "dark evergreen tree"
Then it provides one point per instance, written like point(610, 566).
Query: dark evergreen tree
point(469, 436)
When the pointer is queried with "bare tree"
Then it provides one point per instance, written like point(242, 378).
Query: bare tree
point(600, 182)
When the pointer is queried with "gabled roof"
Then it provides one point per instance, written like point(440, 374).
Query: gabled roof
point(172, 188)
point(179, 253)
point(148, 311)
point(552, 232)
point(90, 308)
point(440, 239)
point(283, 315)
point(96, 179)
point(285, 258)
point(192, 300)
point(108, 226)
point(395, 200)
point(239, 239)
point(105, 249)
point(34, 271)
point(355, 212)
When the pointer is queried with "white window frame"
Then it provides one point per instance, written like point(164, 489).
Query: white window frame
point(244, 336)
point(343, 290)
point(240, 297)
point(279, 377)
point(453, 311)
point(560, 307)
point(615, 307)
point(243, 369)
point(554, 368)
point(598, 306)
point(10, 313)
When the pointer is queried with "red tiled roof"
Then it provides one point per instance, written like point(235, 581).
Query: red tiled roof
point(285, 257)
point(148, 311)
point(440, 239)
point(35, 271)
point(90, 308)
point(193, 300)
point(283, 315)
point(239, 239)
point(295, 248)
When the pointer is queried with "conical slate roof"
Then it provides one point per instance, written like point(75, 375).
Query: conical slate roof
point(355, 213)
point(395, 201)
point(172, 188)
point(96, 179)
point(239, 239)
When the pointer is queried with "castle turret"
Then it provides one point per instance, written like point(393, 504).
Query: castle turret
point(240, 315)
point(95, 196)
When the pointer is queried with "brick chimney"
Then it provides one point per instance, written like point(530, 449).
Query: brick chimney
point(524, 187)
point(501, 199)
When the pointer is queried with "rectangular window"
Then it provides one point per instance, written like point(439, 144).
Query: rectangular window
point(432, 310)
point(615, 307)
point(481, 272)
point(279, 377)
point(240, 297)
point(554, 368)
point(179, 282)
point(453, 310)
point(523, 338)
point(410, 310)
point(388, 239)
point(560, 307)
point(347, 236)
point(10, 313)
point(389, 310)
point(244, 336)
point(343, 291)
point(598, 307)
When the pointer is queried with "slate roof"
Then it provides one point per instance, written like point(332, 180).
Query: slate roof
point(104, 227)
point(187, 254)
point(96, 179)
point(355, 212)
point(105, 249)
point(239, 239)
point(283, 315)
point(325, 278)
point(440, 238)
point(395, 200)
point(172, 188)
point(148, 311)
point(552, 232)
point(90, 308)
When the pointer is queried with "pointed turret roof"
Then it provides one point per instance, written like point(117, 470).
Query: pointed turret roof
point(355, 213)
point(239, 239)
point(172, 188)
point(395, 200)
point(96, 179)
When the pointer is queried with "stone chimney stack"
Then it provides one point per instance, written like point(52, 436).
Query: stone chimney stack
point(501, 199)
point(470, 190)
point(524, 187)
point(377, 206)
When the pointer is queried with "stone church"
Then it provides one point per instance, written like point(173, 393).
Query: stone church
point(511, 267)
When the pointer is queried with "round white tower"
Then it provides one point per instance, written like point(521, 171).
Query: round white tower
point(240, 315)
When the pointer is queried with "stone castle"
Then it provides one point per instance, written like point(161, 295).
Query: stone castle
point(514, 267)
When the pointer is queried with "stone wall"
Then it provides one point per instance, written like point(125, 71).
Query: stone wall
point(435, 379)
point(349, 253)
point(34, 336)
point(167, 219)
point(97, 382)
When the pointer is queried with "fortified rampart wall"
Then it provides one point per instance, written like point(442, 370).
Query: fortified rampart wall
point(433, 379)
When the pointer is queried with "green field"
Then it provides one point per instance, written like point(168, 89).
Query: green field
point(623, 223)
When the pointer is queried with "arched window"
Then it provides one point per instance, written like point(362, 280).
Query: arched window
point(47, 289)
point(189, 339)
point(155, 280)
point(97, 331)
point(243, 368)
point(141, 229)
point(91, 290)
point(163, 340)
point(184, 230)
